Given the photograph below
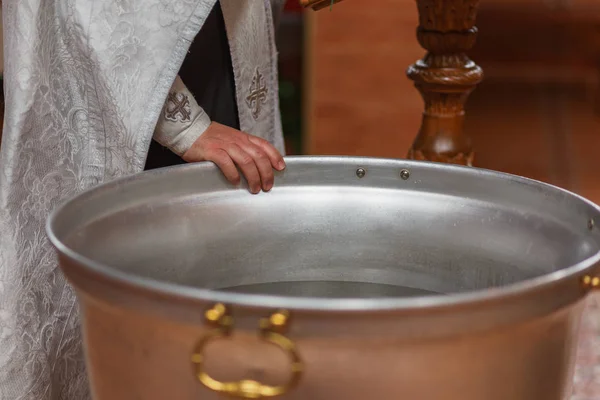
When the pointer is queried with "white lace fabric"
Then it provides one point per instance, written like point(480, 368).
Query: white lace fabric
point(85, 83)
point(182, 120)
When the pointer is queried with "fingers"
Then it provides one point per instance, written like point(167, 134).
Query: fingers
point(263, 164)
point(247, 165)
point(225, 164)
point(275, 157)
point(251, 160)
point(236, 152)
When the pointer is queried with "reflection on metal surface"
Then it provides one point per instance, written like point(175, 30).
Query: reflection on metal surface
point(332, 290)
point(271, 331)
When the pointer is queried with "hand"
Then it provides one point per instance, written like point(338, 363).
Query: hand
point(228, 148)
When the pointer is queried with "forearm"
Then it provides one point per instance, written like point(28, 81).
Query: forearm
point(182, 120)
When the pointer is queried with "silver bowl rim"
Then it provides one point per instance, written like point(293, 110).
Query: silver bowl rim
point(174, 290)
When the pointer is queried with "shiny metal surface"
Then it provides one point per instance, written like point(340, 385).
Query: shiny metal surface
point(386, 272)
point(331, 289)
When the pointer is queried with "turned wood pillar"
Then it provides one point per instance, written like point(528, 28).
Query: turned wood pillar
point(445, 77)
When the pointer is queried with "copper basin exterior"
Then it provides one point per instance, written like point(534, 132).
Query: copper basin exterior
point(355, 278)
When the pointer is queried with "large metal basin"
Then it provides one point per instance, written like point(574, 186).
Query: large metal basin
point(355, 278)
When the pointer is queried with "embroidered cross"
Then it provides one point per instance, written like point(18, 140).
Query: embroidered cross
point(258, 94)
point(178, 107)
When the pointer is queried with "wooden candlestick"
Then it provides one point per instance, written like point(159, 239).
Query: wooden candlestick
point(445, 77)
point(318, 4)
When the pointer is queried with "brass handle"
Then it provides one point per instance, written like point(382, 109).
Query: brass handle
point(271, 331)
point(591, 282)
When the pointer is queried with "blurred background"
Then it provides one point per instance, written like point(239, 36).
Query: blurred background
point(537, 113)
point(344, 90)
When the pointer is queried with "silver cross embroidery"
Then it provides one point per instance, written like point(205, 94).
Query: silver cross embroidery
point(258, 94)
point(178, 107)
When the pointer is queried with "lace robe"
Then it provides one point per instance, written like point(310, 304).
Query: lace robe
point(85, 82)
